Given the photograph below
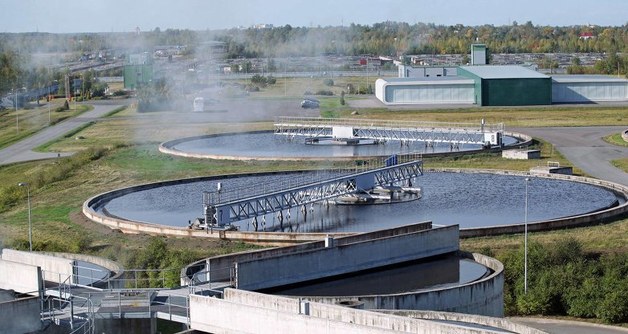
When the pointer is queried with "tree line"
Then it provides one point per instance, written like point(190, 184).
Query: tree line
point(19, 69)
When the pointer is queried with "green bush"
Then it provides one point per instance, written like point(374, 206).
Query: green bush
point(328, 82)
point(564, 280)
point(324, 92)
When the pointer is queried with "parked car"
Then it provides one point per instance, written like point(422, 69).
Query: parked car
point(309, 104)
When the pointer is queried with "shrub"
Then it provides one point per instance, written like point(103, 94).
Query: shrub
point(328, 82)
point(259, 80)
point(325, 92)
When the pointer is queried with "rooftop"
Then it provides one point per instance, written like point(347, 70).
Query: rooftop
point(503, 72)
point(446, 80)
point(587, 78)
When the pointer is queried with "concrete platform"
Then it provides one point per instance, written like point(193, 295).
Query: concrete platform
point(521, 154)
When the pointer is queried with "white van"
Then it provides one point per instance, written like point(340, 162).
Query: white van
point(199, 104)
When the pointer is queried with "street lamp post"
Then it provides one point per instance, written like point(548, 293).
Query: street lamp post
point(17, 115)
point(49, 101)
point(525, 223)
point(30, 226)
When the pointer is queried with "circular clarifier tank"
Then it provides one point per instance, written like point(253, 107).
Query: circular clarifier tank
point(470, 200)
point(267, 145)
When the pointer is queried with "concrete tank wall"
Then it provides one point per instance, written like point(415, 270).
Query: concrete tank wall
point(500, 323)
point(215, 315)
point(20, 316)
point(482, 297)
point(167, 148)
point(221, 266)
point(116, 270)
point(337, 260)
point(274, 314)
point(53, 269)
point(20, 277)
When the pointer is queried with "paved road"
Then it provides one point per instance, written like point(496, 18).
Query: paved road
point(22, 151)
point(568, 327)
point(585, 148)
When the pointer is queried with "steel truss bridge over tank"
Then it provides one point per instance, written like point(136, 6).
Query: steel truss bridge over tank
point(225, 206)
point(403, 131)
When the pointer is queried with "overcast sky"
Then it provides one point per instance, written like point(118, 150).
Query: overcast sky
point(125, 15)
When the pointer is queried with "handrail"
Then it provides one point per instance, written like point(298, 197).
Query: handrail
point(287, 120)
point(302, 179)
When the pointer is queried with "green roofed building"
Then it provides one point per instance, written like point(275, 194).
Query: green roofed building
point(508, 85)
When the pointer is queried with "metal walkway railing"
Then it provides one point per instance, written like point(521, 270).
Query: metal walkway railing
point(383, 130)
point(225, 207)
point(78, 305)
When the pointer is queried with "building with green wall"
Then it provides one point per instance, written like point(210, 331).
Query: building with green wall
point(508, 85)
point(138, 71)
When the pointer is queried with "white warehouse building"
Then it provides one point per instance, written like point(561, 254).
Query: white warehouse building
point(425, 90)
point(588, 88)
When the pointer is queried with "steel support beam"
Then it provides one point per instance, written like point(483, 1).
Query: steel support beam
point(224, 213)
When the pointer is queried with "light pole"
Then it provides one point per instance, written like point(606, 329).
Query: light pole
point(30, 226)
point(49, 101)
point(17, 115)
point(525, 223)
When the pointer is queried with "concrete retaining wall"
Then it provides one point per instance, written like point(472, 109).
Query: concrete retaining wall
point(53, 269)
point(167, 148)
point(500, 323)
point(20, 277)
point(338, 260)
point(116, 269)
point(20, 316)
point(220, 266)
point(297, 317)
point(482, 297)
point(215, 315)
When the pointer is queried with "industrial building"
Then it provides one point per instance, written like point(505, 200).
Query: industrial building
point(479, 54)
point(588, 88)
point(486, 85)
point(508, 85)
point(501, 86)
point(138, 70)
point(426, 90)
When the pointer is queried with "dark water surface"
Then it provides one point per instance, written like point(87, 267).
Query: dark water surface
point(471, 200)
point(267, 144)
point(406, 277)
